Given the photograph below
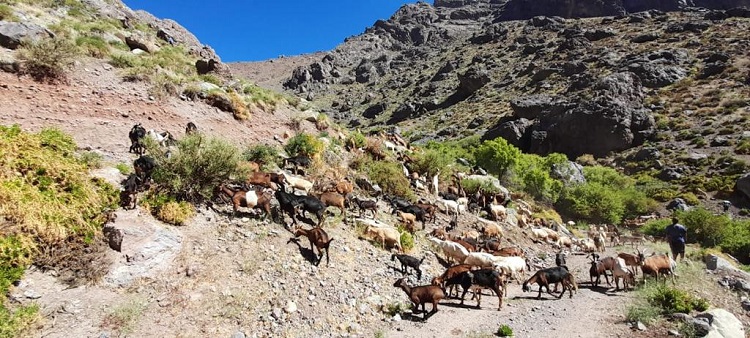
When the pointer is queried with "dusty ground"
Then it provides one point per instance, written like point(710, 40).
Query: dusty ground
point(217, 276)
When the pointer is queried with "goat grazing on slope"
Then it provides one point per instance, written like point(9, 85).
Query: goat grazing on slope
point(409, 261)
point(365, 205)
point(420, 295)
point(318, 239)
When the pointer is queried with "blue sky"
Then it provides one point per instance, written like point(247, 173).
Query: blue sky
point(253, 30)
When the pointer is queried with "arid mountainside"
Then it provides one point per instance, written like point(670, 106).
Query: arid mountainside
point(195, 237)
point(661, 77)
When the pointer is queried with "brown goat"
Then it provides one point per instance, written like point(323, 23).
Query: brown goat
point(420, 295)
point(317, 237)
point(429, 209)
point(450, 273)
point(631, 260)
point(439, 233)
point(268, 180)
point(333, 199)
point(410, 220)
point(258, 198)
point(658, 264)
point(509, 251)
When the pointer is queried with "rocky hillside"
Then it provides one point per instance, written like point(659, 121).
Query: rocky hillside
point(95, 68)
point(590, 77)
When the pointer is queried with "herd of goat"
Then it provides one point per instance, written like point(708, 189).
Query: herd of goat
point(476, 260)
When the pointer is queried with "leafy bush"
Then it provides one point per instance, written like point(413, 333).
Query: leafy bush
point(656, 227)
point(504, 331)
point(471, 186)
point(531, 173)
point(262, 154)
point(123, 60)
point(497, 156)
point(429, 162)
point(644, 313)
point(304, 144)
point(607, 197)
point(240, 110)
point(52, 212)
point(406, 239)
point(124, 169)
point(671, 300)
point(743, 147)
point(176, 213)
point(390, 178)
point(199, 164)
point(47, 59)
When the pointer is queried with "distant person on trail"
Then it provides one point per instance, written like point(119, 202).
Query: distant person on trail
point(676, 237)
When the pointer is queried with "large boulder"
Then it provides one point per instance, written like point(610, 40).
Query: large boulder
point(723, 324)
point(473, 79)
point(568, 172)
point(533, 106)
point(11, 33)
point(516, 132)
point(743, 185)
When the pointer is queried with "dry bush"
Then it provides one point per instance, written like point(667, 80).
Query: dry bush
point(47, 59)
point(175, 213)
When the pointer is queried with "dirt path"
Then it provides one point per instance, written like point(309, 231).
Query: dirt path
point(590, 313)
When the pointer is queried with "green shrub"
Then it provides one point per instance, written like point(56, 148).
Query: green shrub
point(406, 239)
point(690, 198)
point(198, 165)
point(531, 173)
point(656, 227)
point(390, 178)
point(743, 147)
point(13, 323)
point(124, 169)
point(124, 60)
point(670, 300)
point(497, 156)
point(471, 186)
point(262, 154)
point(429, 162)
point(504, 331)
point(47, 59)
point(644, 313)
point(304, 144)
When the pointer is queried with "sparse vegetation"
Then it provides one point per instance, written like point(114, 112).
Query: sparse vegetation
point(504, 331)
point(263, 154)
point(124, 317)
point(175, 213)
point(47, 59)
point(52, 212)
point(407, 240)
point(92, 159)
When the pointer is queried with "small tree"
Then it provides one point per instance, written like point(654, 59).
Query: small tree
point(497, 156)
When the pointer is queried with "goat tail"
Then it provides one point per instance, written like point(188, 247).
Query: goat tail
point(393, 257)
point(328, 244)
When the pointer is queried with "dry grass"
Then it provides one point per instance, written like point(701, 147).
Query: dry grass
point(176, 213)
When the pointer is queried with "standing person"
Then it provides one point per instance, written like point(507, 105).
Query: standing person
point(676, 237)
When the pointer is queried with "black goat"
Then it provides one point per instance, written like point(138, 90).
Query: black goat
point(560, 259)
point(136, 135)
point(365, 205)
point(485, 278)
point(449, 196)
point(397, 203)
point(144, 166)
point(409, 261)
point(545, 277)
point(191, 128)
point(128, 196)
point(313, 205)
point(287, 203)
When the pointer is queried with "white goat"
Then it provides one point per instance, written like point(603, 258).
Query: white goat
point(297, 182)
point(512, 266)
point(480, 259)
point(621, 271)
point(451, 250)
point(450, 206)
point(498, 212)
point(163, 138)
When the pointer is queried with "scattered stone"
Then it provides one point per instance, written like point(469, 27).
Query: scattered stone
point(640, 326)
point(674, 333)
point(238, 334)
point(30, 294)
point(290, 307)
